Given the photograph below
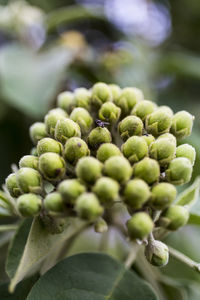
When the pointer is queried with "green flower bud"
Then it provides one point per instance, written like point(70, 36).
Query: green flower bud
point(52, 118)
point(37, 132)
point(118, 168)
point(99, 136)
point(109, 112)
point(179, 171)
point(29, 161)
point(143, 109)
point(66, 101)
point(29, 180)
point(106, 190)
point(167, 109)
point(82, 117)
point(29, 205)
point(182, 123)
point(130, 126)
point(101, 93)
point(157, 253)
point(53, 202)
point(147, 169)
point(163, 194)
point(115, 91)
point(168, 136)
point(34, 151)
point(82, 98)
point(101, 226)
point(107, 150)
point(66, 129)
point(158, 122)
point(128, 98)
point(88, 207)
point(71, 189)
point(149, 138)
point(88, 169)
point(163, 150)
point(174, 217)
point(49, 145)
point(12, 185)
point(135, 148)
point(75, 148)
point(186, 151)
point(139, 226)
point(136, 193)
point(52, 166)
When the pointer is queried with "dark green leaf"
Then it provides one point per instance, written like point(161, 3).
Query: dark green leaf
point(190, 196)
point(194, 219)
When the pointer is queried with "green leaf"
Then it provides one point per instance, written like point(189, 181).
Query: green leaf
point(90, 276)
point(190, 196)
point(194, 219)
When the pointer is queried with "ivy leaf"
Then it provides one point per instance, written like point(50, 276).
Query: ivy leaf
point(90, 276)
point(190, 196)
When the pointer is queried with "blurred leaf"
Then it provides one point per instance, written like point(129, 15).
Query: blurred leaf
point(190, 195)
point(4, 212)
point(194, 219)
point(8, 227)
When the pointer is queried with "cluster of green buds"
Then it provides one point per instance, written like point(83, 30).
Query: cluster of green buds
point(104, 146)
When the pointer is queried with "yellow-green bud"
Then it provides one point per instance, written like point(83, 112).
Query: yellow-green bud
point(12, 185)
point(106, 190)
point(128, 98)
point(29, 161)
point(49, 145)
point(147, 169)
point(182, 123)
point(157, 253)
point(139, 226)
point(99, 136)
point(29, 205)
point(88, 207)
point(168, 136)
point(52, 166)
point(52, 118)
point(101, 226)
point(75, 148)
point(115, 91)
point(149, 138)
point(163, 150)
point(66, 101)
point(82, 117)
point(167, 109)
point(53, 202)
point(66, 129)
point(130, 126)
point(136, 193)
point(29, 180)
point(37, 132)
point(101, 93)
point(71, 189)
point(162, 195)
point(174, 217)
point(88, 169)
point(158, 122)
point(135, 148)
point(82, 98)
point(143, 109)
point(118, 168)
point(186, 151)
point(109, 112)
point(107, 150)
point(179, 171)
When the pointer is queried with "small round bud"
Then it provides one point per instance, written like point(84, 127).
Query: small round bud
point(12, 185)
point(130, 126)
point(158, 122)
point(88, 207)
point(82, 98)
point(101, 226)
point(163, 150)
point(53, 202)
point(88, 169)
point(82, 117)
point(157, 253)
point(135, 149)
point(99, 136)
point(52, 166)
point(115, 91)
point(109, 112)
point(136, 193)
point(162, 195)
point(29, 161)
point(168, 136)
point(139, 226)
point(174, 217)
point(143, 109)
point(149, 138)
point(118, 168)
point(107, 150)
point(66, 129)
point(52, 118)
point(29, 205)
point(37, 132)
point(71, 189)
point(186, 151)
point(29, 180)
point(182, 123)
point(66, 101)
point(101, 93)
point(179, 171)
point(49, 145)
point(147, 169)
point(128, 98)
point(75, 148)
point(106, 190)
point(167, 109)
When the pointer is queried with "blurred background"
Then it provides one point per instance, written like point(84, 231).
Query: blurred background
point(47, 46)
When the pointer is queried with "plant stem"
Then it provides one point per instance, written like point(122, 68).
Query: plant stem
point(184, 259)
point(132, 255)
point(8, 227)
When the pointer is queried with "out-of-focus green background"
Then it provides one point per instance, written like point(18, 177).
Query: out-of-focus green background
point(47, 46)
